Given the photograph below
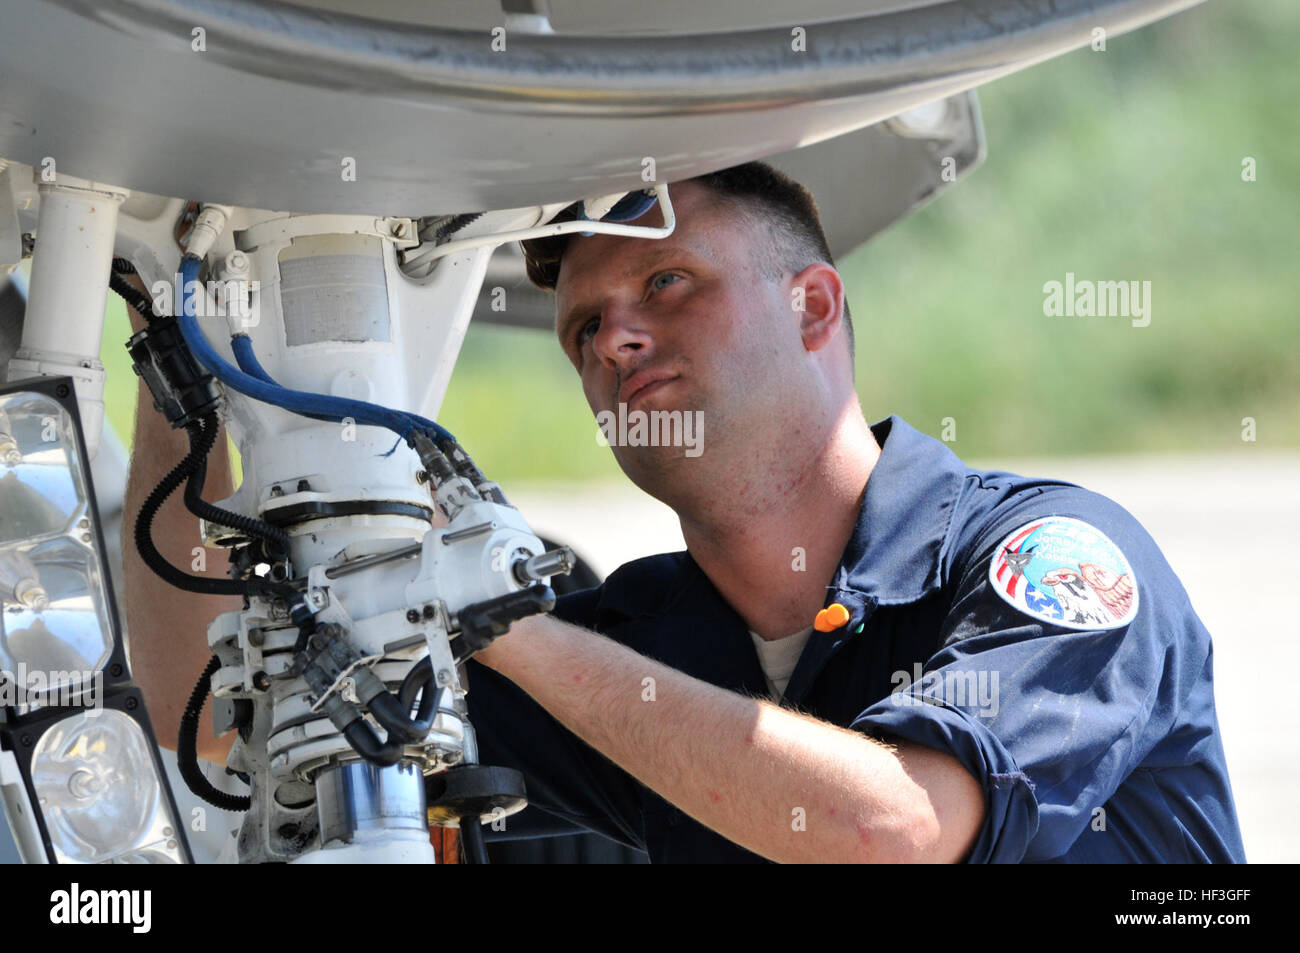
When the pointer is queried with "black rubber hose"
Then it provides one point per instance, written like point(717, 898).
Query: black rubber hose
point(277, 539)
point(165, 570)
point(415, 679)
point(473, 847)
point(187, 748)
point(393, 711)
point(305, 619)
point(366, 743)
point(388, 712)
point(420, 679)
point(131, 296)
point(428, 706)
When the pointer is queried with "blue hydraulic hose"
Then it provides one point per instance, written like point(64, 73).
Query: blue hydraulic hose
point(299, 402)
point(247, 359)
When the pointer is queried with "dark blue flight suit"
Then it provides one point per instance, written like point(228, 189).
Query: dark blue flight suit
point(1103, 744)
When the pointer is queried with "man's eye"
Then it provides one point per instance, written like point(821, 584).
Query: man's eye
point(659, 278)
point(583, 336)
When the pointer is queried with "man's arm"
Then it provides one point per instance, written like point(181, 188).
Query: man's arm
point(781, 784)
point(167, 627)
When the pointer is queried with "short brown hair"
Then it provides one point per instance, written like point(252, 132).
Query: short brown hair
point(765, 196)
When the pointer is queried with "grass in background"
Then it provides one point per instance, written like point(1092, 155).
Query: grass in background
point(121, 384)
point(1115, 165)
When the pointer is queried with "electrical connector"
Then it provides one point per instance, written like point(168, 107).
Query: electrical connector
point(182, 390)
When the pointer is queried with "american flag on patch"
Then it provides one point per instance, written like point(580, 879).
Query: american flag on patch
point(1042, 603)
point(1009, 564)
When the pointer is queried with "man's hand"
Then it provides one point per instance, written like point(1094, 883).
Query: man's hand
point(781, 784)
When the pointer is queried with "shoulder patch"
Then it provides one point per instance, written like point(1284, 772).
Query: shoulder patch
point(1065, 572)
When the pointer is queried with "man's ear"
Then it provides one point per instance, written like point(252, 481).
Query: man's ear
point(817, 298)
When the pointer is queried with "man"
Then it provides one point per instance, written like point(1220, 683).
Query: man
point(941, 706)
point(860, 656)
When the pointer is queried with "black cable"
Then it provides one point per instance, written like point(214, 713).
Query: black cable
point(132, 296)
point(158, 563)
point(388, 712)
point(473, 847)
point(414, 681)
point(366, 743)
point(305, 619)
point(277, 539)
point(202, 441)
point(187, 748)
point(393, 711)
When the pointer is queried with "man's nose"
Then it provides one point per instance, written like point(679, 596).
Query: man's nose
point(624, 334)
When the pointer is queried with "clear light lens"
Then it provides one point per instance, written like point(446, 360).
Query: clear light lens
point(100, 794)
point(57, 622)
point(925, 121)
point(42, 490)
point(54, 621)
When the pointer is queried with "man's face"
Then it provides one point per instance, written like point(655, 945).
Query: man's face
point(682, 323)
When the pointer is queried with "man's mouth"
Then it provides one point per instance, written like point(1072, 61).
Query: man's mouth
point(643, 383)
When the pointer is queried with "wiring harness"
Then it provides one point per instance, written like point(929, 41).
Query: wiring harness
point(180, 367)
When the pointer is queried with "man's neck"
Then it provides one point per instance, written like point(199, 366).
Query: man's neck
point(771, 547)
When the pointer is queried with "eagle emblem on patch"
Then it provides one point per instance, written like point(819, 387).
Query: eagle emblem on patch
point(1065, 572)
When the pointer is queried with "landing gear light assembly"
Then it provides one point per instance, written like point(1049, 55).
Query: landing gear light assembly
point(80, 773)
